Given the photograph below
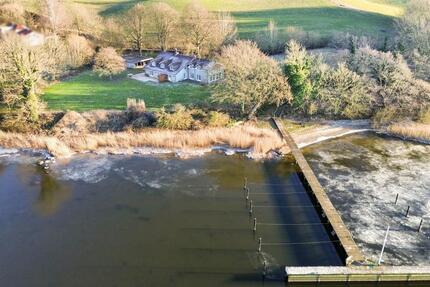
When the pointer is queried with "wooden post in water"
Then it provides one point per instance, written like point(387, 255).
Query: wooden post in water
point(397, 197)
point(421, 225)
point(250, 207)
point(383, 245)
point(247, 194)
point(407, 211)
point(259, 245)
point(245, 185)
point(255, 224)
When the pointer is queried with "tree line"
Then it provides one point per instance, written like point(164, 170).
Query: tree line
point(385, 83)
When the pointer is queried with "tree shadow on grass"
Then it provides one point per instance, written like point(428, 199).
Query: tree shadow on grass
point(119, 8)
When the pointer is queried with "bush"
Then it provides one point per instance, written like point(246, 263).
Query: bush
point(108, 63)
point(135, 108)
point(297, 68)
point(181, 119)
point(386, 116)
point(217, 119)
point(145, 120)
point(424, 116)
point(343, 93)
point(79, 51)
point(393, 82)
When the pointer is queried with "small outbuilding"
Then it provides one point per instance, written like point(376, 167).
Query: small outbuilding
point(136, 62)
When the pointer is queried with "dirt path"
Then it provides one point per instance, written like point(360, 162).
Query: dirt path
point(328, 130)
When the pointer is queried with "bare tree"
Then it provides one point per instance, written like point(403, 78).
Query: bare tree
point(414, 36)
point(134, 25)
point(108, 63)
point(252, 79)
point(112, 34)
point(56, 14)
point(197, 24)
point(226, 27)
point(162, 22)
point(12, 11)
point(79, 51)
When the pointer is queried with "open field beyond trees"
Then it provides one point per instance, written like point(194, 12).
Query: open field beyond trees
point(87, 91)
point(321, 16)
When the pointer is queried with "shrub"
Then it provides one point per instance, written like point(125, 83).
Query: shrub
point(108, 63)
point(217, 119)
point(145, 120)
point(394, 83)
point(79, 51)
point(181, 119)
point(384, 117)
point(298, 69)
point(343, 93)
point(424, 116)
point(413, 30)
point(135, 108)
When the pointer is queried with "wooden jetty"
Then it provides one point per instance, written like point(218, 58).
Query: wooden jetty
point(356, 269)
point(340, 232)
point(358, 274)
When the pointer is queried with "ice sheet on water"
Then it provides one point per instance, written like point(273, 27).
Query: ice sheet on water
point(362, 179)
point(90, 169)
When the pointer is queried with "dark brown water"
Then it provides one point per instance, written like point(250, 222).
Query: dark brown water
point(154, 221)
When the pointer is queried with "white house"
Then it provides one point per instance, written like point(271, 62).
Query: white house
point(174, 67)
point(29, 36)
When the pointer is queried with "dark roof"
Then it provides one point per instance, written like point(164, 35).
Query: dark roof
point(172, 63)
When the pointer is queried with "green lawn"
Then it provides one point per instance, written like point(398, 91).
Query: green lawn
point(322, 16)
point(87, 91)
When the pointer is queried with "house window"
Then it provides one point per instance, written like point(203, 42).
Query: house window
point(192, 75)
point(199, 77)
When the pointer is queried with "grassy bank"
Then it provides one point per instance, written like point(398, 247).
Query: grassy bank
point(87, 91)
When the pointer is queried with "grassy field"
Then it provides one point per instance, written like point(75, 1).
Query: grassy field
point(87, 91)
point(322, 16)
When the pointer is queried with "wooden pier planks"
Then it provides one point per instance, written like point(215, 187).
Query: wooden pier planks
point(342, 232)
point(358, 274)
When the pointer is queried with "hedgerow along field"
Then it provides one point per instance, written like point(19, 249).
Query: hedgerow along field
point(87, 91)
point(318, 16)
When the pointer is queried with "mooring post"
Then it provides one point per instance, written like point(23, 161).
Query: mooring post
point(247, 194)
point(259, 245)
point(250, 207)
point(255, 224)
point(264, 267)
point(245, 185)
point(383, 245)
point(421, 225)
point(397, 197)
point(407, 211)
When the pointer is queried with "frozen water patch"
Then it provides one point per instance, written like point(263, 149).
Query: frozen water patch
point(87, 169)
point(363, 175)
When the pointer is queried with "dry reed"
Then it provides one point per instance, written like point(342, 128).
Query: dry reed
point(259, 141)
point(411, 130)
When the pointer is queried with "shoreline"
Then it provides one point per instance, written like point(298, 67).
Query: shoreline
point(255, 143)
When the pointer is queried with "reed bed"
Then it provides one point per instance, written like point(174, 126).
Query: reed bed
point(411, 130)
point(259, 141)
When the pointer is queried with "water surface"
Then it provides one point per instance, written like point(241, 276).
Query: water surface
point(363, 174)
point(154, 221)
